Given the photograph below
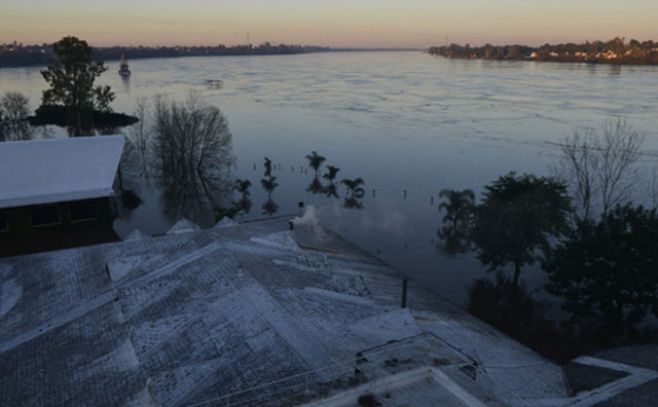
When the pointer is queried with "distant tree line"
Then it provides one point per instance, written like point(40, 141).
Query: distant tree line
point(16, 54)
point(615, 51)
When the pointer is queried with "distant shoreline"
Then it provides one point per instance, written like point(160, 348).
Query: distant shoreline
point(18, 55)
point(616, 51)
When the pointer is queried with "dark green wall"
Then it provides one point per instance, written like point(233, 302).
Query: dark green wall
point(20, 225)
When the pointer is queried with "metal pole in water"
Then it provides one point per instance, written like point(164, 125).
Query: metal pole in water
point(404, 292)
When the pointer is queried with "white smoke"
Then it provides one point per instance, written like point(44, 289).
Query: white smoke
point(311, 220)
point(378, 220)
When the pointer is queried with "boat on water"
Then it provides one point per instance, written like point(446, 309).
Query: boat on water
point(124, 70)
point(215, 83)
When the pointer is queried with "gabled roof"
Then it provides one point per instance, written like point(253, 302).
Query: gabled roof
point(57, 170)
point(253, 314)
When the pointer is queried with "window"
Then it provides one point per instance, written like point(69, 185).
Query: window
point(45, 215)
point(82, 210)
point(4, 222)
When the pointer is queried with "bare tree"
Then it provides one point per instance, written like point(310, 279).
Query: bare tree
point(140, 133)
point(14, 110)
point(600, 165)
point(192, 156)
point(653, 188)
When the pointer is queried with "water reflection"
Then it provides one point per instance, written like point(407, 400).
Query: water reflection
point(125, 81)
point(459, 208)
point(243, 204)
point(189, 153)
point(269, 184)
point(331, 189)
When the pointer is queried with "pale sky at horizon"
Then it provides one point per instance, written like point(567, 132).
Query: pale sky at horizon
point(336, 23)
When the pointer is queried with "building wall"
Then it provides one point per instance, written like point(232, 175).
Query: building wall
point(23, 237)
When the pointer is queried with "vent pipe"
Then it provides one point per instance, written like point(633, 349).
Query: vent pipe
point(405, 282)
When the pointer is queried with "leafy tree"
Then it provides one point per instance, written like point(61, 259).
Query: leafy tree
point(315, 161)
point(72, 82)
point(607, 271)
point(459, 207)
point(507, 306)
point(516, 219)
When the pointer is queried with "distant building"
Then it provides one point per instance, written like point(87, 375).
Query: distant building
point(56, 193)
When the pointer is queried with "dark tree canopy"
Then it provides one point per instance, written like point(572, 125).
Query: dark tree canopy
point(607, 271)
point(516, 219)
point(71, 82)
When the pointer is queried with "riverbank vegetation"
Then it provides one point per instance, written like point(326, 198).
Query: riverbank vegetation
point(598, 248)
point(615, 51)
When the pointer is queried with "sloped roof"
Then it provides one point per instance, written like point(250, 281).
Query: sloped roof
point(57, 170)
point(235, 315)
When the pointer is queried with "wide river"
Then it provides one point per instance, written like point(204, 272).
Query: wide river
point(408, 123)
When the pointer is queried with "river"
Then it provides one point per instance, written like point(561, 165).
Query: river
point(408, 123)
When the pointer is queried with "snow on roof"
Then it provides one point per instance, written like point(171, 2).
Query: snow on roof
point(58, 170)
point(237, 316)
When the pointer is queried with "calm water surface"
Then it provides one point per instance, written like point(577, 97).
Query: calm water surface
point(403, 121)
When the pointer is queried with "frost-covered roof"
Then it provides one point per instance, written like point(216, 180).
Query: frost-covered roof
point(246, 315)
point(58, 170)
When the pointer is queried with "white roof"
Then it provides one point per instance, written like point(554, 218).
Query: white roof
point(57, 170)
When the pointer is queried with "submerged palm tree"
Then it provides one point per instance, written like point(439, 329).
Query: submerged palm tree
point(244, 203)
point(269, 184)
point(355, 187)
point(268, 167)
point(331, 173)
point(316, 187)
point(459, 208)
point(242, 186)
point(330, 189)
point(315, 161)
point(270, 207)
point(356, 192)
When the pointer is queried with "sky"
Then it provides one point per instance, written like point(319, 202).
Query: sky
point(335, 23)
